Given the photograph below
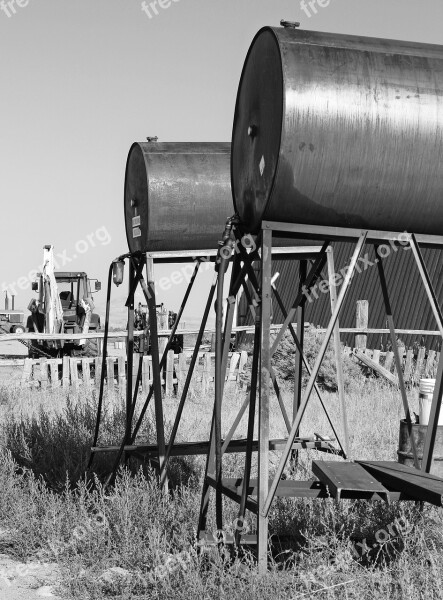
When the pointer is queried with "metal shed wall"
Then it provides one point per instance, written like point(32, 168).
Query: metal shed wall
point(409, 301)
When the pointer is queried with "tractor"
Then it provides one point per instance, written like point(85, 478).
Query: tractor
point(11, 320)
point(64, 305)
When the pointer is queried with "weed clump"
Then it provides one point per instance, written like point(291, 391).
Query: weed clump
point(284, 360)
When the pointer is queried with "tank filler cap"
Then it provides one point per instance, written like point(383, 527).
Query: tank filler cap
point(152, 138)
point(289, 24)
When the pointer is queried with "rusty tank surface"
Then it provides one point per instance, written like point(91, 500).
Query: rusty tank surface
point(177, 195)
point(341, 131)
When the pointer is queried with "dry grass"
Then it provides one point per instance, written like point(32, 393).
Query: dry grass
point(51, 513)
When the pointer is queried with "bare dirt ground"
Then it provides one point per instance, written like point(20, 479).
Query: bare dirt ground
point(19, 581)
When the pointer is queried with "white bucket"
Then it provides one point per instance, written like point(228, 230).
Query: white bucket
point(426, 392)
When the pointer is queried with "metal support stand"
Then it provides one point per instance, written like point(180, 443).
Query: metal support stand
point(136, 265)
point(351, 480)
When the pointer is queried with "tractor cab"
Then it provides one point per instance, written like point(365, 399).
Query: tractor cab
point(74, 288)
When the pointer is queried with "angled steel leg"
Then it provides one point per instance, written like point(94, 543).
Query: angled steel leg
point(133, 281)
point(267, 505)
point(398, 364)
point(429, 288)
point(156, 372)
point(308, 370)
point(165, 353)
point(214, 458)
point(338, 351)
point(313, 275)
point(428, 450)
point(298, 375)
point(250, 433)
point(102, 374)
point(264, 397)
point(190, 373)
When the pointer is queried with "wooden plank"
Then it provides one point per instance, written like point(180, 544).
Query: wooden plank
point(376, 367)
point(243, 361)
point(86, 373)
point(430, 365)
point(110, 374)
point(310, 489)
point(198, 448)
point(368, 352)
point(235, 359)
point(145, 374)
point(208, 538)
point(53, 367)
point(27, 372)
point(66, 378)
point(362, 320)
point(388, 361)
point(97, 371)
point(419, 366)
point(408, 365)
point(415, 483)
point(13, 362)
point(376, 356)
point(121, 375)
point(165, 333)
point(342, 477)
point(73, 365)
point(181, 372)
point(44, 373)
point(170, 373)
point(206, 373)
point(162, 323)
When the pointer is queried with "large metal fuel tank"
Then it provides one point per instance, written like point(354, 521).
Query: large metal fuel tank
point(341, 131)
point(177, 195)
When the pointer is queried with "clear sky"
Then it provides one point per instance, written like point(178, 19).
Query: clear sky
point(83, 79)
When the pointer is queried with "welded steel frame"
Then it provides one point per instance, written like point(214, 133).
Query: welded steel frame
point(159, 454)
point(265, 492)
point(262, 377)
point(259, 303)
point(137, 263)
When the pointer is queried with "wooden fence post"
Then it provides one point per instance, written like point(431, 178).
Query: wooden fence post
point(362, 322)
point(181, 372)
point(162, 323)
point(169, 381)
point(66, 379)
point(121, 375)
point(86, 373)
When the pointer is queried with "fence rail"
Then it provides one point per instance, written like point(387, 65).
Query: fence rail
point(86, 372)
point(415, 365)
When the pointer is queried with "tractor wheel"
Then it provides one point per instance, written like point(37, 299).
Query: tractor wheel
point(17, 329)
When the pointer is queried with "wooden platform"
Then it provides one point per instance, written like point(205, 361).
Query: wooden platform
point(383, 478)
point(202, 448)
point(417, 484)
point(347, 478)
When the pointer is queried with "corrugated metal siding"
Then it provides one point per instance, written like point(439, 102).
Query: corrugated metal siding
point(409, 301)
